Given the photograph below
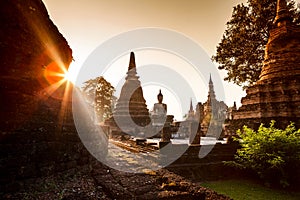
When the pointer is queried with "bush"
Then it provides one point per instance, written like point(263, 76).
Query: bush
point(272, 153)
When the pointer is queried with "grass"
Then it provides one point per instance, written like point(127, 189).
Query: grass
point(248, 190)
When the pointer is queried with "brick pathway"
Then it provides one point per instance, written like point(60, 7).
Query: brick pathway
point(97, 181)
point(160, 184)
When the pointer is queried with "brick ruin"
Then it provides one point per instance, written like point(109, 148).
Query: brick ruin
point(38, 136)
point(210, 115)
point(131, 104)
point(275, 96)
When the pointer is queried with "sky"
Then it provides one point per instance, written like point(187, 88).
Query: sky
point(87, 24)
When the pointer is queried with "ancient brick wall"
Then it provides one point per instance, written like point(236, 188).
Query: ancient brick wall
point(37, 133)
point(210, 167)
point(275, 96)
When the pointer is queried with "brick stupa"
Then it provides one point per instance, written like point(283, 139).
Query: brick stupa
point(131, 105)
point(276, 94)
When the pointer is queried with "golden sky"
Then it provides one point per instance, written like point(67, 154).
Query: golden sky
point(87, 23)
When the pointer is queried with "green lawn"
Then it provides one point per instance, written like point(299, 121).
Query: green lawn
point(248, 190)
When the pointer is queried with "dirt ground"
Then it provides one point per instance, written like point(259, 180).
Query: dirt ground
point(97, 181)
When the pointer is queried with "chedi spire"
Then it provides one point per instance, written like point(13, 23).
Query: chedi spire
point(132, 65)
point(211, 91)
point(131, 73)
point(282, 12)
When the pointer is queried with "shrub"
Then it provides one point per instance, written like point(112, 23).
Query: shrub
point(272, 153)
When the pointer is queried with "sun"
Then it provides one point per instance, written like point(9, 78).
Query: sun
point(71, 74)
point(68, 76)
point(57, 72)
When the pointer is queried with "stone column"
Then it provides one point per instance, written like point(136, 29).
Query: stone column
point(165, 136)
point(195, 136)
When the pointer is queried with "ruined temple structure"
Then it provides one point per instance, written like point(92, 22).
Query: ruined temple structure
point(37, 133)
point(191, 112)
point(275, 96)
point(213, 112)
point(131, 106)
point(210, 114)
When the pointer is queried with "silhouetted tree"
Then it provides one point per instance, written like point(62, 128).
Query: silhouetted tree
point(89, 89)
point(241, 50)
point(99, 93)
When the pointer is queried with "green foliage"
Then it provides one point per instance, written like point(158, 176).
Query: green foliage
point(250, 190)
point(274, 154)
point(99, 93)
point(241, 50)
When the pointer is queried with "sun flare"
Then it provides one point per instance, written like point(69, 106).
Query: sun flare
point(68, 76)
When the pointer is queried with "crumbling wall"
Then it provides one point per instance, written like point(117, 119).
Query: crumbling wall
point(37, 133)
point(211, 166)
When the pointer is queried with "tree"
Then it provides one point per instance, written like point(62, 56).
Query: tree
point(272, 153)
point(99, 93)
point(89, 89)
point(241, 50)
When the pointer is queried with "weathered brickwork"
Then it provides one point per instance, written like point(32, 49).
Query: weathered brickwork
point(277, 93)
point(37, 133)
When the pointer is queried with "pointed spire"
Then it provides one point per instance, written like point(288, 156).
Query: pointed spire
point(211, 91)
point(282, 12)
point(131, 68)
point(210, 81)
point(131, 62)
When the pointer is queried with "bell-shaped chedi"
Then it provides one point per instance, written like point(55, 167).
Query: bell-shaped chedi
point(283, 48)
point(276, 95)
point(131, 110)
